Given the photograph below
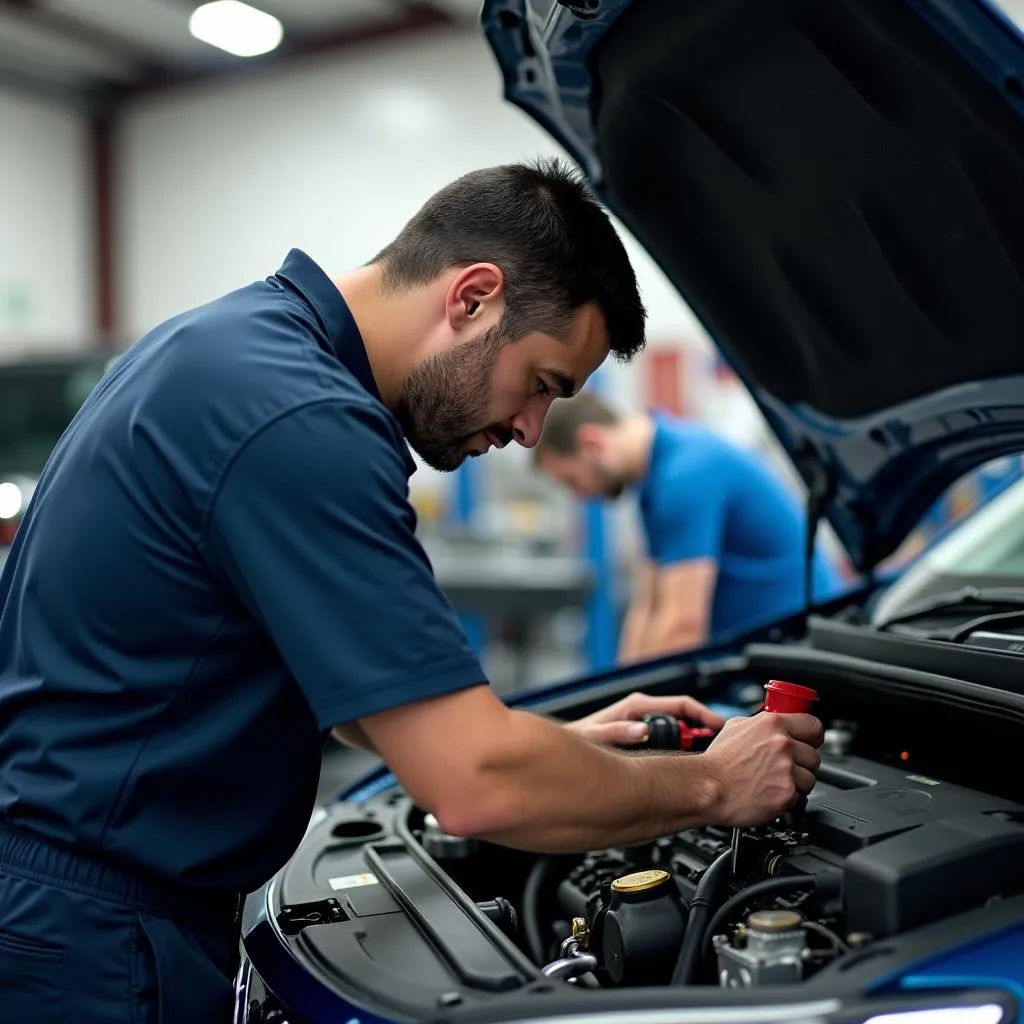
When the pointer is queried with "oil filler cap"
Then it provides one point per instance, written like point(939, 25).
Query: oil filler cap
point(640, 881)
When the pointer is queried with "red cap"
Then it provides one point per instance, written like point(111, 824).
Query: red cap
point(788, 698)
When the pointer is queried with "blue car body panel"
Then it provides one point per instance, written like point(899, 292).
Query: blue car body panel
point(996, 962)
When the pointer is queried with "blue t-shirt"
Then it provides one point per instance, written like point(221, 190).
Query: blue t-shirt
point(218, 565)
point(702, 497)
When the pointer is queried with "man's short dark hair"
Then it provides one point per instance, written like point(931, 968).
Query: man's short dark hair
point(543, 226)
point(564, 419)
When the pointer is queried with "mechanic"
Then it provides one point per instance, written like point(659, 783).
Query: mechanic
point(219, 566)
point(725, 539)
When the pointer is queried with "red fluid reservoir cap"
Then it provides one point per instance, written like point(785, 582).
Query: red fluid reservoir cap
point(788, 698)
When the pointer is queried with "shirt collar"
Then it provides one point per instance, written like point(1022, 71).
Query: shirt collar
point(340, 329)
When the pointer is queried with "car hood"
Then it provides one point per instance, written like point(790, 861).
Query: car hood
point(835, 188)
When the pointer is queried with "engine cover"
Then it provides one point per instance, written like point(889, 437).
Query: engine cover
point(903, 850)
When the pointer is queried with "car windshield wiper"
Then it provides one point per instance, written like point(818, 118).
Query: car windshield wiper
point(962, 598)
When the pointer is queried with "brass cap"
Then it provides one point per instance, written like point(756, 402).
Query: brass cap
point(580, 930)
point(774, 920)
point(640, 880)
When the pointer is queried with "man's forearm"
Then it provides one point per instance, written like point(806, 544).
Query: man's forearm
point(550, 791)
point(667, 634)
point(634, 628)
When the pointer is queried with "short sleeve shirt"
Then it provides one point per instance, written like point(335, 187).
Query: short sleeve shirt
point(704, 498)
point(219, 564)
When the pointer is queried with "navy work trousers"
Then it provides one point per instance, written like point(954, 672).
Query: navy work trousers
point(86, 942)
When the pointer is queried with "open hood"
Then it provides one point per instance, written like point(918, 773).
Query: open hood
point(836, 187)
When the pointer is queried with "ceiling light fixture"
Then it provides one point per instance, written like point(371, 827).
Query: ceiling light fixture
point(236, 27)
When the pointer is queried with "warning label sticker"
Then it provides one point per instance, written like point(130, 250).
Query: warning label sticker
point(352, 881)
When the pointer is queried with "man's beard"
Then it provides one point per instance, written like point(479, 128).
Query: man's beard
point(445, 399)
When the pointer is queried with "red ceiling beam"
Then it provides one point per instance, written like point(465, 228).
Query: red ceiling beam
point(102, 127)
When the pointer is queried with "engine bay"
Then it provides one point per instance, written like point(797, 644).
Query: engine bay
point(897, 851)
point(879, 851)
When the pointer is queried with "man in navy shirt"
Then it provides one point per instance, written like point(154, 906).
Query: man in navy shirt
point(726, 541)
point(218, 567)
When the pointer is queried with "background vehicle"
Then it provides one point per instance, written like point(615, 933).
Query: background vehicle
point(834, 187)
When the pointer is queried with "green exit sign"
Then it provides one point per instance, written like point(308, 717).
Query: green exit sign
point(15, 304)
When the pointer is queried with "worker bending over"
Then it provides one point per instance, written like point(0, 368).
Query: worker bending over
point(725, 538)
point(219, 566)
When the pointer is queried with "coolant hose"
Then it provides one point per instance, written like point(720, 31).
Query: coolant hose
point(531, 909)
point(708, 888)
point(769, 887)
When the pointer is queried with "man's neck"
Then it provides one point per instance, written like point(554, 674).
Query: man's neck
point(393, 328)
point(636, 439)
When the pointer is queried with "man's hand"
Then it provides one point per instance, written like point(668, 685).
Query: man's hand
point(762, 765)
point(619, 724)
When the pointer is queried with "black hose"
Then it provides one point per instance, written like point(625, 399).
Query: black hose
point(708, 888)
point(771, 887)
point(837, 943)
point(531, 910)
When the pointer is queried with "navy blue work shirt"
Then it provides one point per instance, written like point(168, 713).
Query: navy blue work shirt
point(218, 565)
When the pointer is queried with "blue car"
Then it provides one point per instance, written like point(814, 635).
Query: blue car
point(836, 187)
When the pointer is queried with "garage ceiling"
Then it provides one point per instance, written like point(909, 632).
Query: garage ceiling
point(103, 51)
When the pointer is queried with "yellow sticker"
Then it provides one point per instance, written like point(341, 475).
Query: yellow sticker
point(924, 780)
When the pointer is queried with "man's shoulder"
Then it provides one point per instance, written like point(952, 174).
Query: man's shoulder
point(688, 449)
point(245, 358)
point(208, 381)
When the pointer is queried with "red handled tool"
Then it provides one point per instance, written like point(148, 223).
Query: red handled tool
point(666, 732)
point(785, 699)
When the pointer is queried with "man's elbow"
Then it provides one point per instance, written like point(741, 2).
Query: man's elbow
point(477, 815)
point(479, 801)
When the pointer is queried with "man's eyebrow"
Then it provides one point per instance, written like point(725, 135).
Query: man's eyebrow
point(563, 381)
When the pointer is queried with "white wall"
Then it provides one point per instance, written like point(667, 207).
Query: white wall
point(46, 248)
point(334, 156)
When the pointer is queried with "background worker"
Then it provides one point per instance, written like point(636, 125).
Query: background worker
point(252, 580)
point(725, 538)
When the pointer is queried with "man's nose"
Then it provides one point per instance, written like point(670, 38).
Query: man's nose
point(527, 425)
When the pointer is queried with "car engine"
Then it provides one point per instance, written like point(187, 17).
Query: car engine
point(878, 851)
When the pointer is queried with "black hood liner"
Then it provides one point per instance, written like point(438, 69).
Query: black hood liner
point(836, 193)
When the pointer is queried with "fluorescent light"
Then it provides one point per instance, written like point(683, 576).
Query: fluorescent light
point(11, 500)
point(236, 27)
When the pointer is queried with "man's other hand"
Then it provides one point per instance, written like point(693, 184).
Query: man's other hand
point(620, 723)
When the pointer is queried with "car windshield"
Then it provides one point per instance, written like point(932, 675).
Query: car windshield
point(37, 402)
point(986, 550)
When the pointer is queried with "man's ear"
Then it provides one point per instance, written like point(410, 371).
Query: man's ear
point(475, 296)
point(592, 440)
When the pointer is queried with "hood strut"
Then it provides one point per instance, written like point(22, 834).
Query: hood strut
point(819, 490)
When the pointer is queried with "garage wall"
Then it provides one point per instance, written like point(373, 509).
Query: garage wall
point(217, 183)
point(45, 226)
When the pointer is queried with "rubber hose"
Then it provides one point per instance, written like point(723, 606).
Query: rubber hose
point(531, 909)
point(707, 892)
point(770, 887)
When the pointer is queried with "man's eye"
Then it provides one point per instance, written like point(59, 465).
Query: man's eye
point(542, 388)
